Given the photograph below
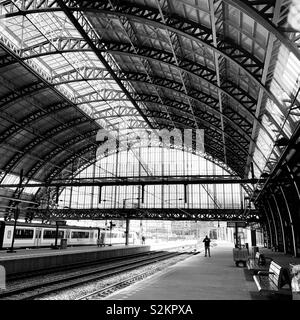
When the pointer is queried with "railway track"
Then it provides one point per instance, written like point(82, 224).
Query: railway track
point(37, 288)
point(101, 293)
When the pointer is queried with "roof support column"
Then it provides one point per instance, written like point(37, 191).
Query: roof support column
point(274, 224)
point(290, 221)
point(281, 224)
point(294, 181)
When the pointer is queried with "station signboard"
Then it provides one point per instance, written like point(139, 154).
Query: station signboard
point(61, 222)
point(238, 224)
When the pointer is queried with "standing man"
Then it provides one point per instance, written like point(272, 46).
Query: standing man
point(207, 246)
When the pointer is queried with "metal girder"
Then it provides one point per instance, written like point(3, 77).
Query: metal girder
point(213, 146)
point(34, 116)
point(228, 88)
point(39, 164)
point(193, 94)
point(187, 121)
point(204, 118)
point(20, 93)
point(6, 60)
point(90, 36)
point(241, 97)
point(176, 49)
point(148, 15)
point(56, 45)
point(263, 13)
point(41, 138)
point(211, 5)
point(149, 214)
point(258, 112)
point(90, 148)
point(138, 180)
point(194, 151)
point(54, 173)
point(70, 143)
point(82, 74)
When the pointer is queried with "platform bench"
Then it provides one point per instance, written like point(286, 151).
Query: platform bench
point(274, 281)
point(259, 263)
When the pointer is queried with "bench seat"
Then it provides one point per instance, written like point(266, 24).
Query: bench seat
point(274, 281)
point(258, 263)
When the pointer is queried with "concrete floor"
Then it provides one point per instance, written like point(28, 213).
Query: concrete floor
point(197, 278)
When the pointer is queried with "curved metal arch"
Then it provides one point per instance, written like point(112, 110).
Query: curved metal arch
point(21, 93)
point(247, 7)
point(234, 153)
point(72, 142)
point(38, 165)
point(208, 122)
point(35, 87)
point(161, 115)
point(199, 96)
point(83, 151)
point(171, 103)
point(84, 166)
point(206, 156)
point(160, 56)
point(184, 27)
point(178, 25)
point(208, 102)
point(229, 89)
point(188, 66)
point(34, 116)
point(210, 147)
point(164, 115)
point(33, 143)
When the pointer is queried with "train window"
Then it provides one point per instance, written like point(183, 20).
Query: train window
point(24, 234)
point(80, 234)
point(50, 234)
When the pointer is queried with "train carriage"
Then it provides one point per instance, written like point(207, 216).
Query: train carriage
point(28, 235)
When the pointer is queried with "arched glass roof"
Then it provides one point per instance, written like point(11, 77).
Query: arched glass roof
point(70, 68)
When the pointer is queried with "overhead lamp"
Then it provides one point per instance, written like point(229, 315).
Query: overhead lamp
point(294, 15)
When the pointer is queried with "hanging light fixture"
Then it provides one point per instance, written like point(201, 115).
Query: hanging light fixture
point(294, 15)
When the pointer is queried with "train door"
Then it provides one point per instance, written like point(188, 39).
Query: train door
point(67, 236)
point(38, 235)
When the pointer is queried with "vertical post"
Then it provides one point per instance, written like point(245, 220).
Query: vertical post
point(270, 238)
point(57, 195)
point(11, 250)
point(110, 229)
point(273, 219)
point(236, 235)
point(56, 236)
point(281, 223)
point(100, 194)
point(253, 238)
point(127, 225)
point(143, 193)
point(291, 222)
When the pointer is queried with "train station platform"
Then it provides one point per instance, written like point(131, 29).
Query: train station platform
point(199, 278)
point(46, 258)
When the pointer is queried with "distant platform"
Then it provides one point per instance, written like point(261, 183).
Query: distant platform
point(45, 258)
